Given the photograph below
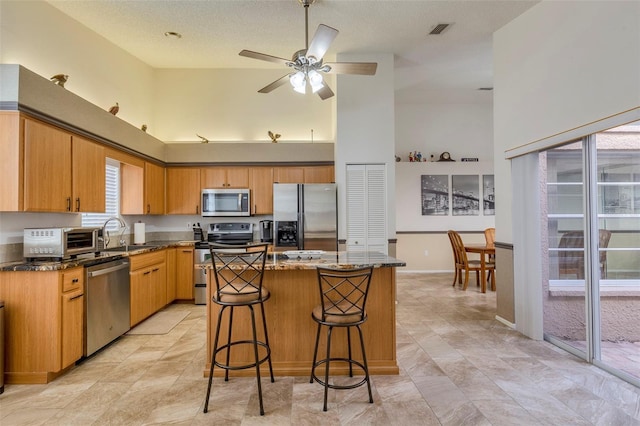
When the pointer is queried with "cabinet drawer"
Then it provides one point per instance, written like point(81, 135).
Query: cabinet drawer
point(72, 279)
point(147, 259)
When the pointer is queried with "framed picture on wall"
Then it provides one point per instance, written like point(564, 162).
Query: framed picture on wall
point(434, 195)
point(466, 195)
point(488, 196)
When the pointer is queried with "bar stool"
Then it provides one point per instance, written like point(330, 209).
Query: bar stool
point(238, 272)
point(343, 295)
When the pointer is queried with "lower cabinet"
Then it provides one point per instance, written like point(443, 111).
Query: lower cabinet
point(148, 276)
point(184, 273)
point(43, 334)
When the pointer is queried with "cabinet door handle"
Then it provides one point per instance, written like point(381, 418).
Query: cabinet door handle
point(76, 297)
point(68, 204)
point(186, 251)
point(78, 204)
point(148, 208)
point(75, 280)
point(156, 270)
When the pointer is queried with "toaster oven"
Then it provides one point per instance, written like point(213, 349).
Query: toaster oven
point(59, 243)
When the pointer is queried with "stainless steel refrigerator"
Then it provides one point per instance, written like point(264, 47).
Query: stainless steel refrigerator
point(305, 216)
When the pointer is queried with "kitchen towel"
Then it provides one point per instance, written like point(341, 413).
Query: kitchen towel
point(138, 233)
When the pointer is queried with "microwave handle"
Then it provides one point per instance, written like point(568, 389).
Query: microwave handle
point(239, 202)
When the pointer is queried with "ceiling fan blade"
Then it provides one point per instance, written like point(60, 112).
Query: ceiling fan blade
point(321, 41)
point(325, 92)
point(360, 68)
point(263, 57)
point(279, 82)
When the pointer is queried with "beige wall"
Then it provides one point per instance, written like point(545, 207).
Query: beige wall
point(430, 252)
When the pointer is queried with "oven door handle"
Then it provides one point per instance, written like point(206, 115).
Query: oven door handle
point(108, 270)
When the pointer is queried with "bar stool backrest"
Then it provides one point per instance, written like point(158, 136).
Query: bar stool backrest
point(238, 271)
point(343, 293)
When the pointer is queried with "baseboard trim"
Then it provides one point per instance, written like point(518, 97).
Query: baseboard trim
point(505, 322)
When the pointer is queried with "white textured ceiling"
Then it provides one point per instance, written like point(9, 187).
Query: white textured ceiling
point(452, 65)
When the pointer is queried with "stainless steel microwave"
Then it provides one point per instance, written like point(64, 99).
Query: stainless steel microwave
point(226, 202)
point(59, 243)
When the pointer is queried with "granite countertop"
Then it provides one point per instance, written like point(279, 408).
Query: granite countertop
point(92, 258)
point(330, 259)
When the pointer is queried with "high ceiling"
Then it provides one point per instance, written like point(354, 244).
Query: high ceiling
point(450, 67)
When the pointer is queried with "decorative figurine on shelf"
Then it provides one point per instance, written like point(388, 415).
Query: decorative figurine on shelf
point(60, 79)
point(114, 109)
point(398, 159)
point(204, 140)
point(410, 157)
point(143, 128)
point(445, 156)
point(274, 137)
point(433, 158)
point(419, 157)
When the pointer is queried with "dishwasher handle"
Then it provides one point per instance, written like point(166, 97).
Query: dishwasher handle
point(108, 270)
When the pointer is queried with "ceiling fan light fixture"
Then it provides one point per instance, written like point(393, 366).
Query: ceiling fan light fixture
point(315, 80)
point(298, 81)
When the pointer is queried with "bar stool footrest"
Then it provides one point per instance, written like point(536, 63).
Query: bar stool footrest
point(333, 386)
point(244, 366)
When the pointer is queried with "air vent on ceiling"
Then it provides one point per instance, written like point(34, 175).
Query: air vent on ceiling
point(485, 88)
point(438, 29)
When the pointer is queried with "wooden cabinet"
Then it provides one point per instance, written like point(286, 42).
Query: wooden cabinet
point(261, 185)
point(183, 190)
point(319, 174)
point(171, 275)
point(153, 188)
point(46, 169)
point(148, 278)
point(307, 174)
point(288, 174)
point(224, 177)
point(43, 334)
point(88, 175)
point(184, 273)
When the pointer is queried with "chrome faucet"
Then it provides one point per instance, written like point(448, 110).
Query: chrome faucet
point(105, 233)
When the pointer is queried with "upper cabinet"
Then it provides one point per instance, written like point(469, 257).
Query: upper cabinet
point(88, 159)
point(288, 174)
point(46, 169)
point(183, 190)
point(261, 185)
point(153, 188)
point(224, 177)
point(142, 188)
point(319, 174)
point(309, 174)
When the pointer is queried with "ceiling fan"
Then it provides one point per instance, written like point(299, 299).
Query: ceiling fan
point(307, 63)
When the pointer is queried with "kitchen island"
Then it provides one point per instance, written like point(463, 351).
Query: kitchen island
point(293, 285)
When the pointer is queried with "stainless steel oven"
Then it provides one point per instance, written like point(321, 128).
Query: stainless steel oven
point(221, 233)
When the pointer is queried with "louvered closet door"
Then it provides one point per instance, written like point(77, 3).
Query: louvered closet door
point(366, 208)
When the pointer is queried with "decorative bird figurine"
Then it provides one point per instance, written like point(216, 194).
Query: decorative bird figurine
point(274, 138)
point(143, 128)
point(114, 109)
point(60, 79)
point(204, 140)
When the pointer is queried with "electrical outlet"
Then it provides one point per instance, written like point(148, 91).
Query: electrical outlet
point(426, 252)
point(188, 225)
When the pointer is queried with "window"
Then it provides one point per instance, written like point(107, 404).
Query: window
point(112, 205)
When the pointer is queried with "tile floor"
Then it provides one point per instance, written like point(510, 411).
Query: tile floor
point(458, 366)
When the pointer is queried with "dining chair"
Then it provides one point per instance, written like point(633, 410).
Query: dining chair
point(463, 263)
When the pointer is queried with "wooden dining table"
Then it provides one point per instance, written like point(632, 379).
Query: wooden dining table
point(484, 250)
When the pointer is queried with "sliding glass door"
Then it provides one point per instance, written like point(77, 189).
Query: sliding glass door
point(617, 261)
point(591, 285)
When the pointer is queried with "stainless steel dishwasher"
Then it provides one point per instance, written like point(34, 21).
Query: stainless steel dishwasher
point(107, 303)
